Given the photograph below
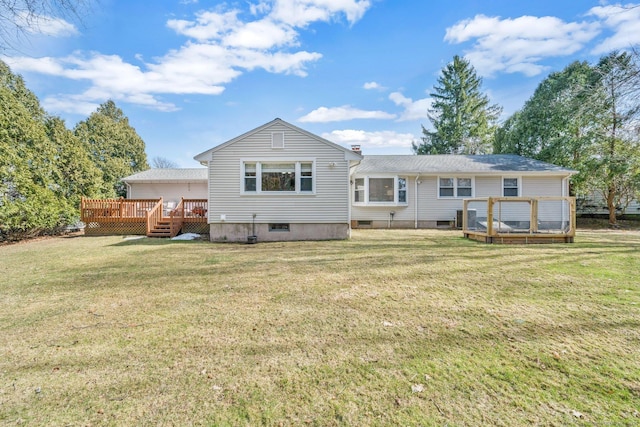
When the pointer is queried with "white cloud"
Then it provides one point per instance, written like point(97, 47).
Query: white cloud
point(222, 47)
point(372, 86)
point(69, 105)
point(45, 25)
point(300, 13)
point(339, 114)
point(518, 45)
point(413, 110)
point(625, 23)
point(365, 139)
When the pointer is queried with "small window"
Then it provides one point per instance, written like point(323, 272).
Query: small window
point(402, 190)
point(364, 223)
point(306, 176)
point(455, 187)
point(510, 187)
point(358, 195)
point(278, 227)
point(249, 177)
point(277, 140)
point(446, 187)
point(464, 187)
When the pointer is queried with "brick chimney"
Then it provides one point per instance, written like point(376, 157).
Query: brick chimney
point(356, 148)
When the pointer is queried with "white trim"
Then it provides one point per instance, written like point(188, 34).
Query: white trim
point(518, 177)
point(297, 161)
point(455, 186)
point(366, 179)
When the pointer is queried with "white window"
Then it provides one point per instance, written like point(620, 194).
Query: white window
point(455, 187)
point(294, 177)
point(358, 194)
point(380, 190)
point(249, 177)
point(402, 190)
point(510, 187)
point(278, 177)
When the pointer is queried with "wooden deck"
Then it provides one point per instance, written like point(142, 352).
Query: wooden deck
point(505, 220)
point(151, 217)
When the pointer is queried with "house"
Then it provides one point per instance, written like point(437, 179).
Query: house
point(279, 182)
point(427, 191)
point(170, 184)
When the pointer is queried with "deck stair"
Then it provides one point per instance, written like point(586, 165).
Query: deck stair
point(161, 229)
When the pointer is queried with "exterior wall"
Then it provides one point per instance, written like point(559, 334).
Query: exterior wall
point(229, 208)
point(435, 212)
point(169, 192)
point(226, 232)
point(595, 204)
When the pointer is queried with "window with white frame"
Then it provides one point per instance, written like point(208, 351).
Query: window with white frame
point(380, 190)
point(510, 187)
point(455, 187)
point(278, 177)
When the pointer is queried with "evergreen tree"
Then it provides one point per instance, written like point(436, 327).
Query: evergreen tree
point(113, 145)
point(28, 200)
point(463, 120)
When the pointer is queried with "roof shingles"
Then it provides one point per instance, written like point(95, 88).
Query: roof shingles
point(455, 163)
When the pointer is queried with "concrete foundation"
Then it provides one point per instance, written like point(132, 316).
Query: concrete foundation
point(401, 224)
point(227, 232)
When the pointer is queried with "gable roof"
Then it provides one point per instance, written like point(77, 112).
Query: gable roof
point(168, 175)
point(457, 163)
point(206, 155)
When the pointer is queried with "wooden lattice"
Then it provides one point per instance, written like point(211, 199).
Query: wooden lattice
point(138, 216)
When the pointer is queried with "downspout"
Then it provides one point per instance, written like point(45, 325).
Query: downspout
point(416, 203)
point(128, 190)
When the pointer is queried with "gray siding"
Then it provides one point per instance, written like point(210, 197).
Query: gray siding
point(431, 208)
point(169, 192)
point(329, 204)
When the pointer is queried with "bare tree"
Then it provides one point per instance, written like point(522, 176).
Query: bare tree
point(18, 17)
point(163, 163)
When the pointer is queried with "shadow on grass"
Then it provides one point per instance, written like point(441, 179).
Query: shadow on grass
point(146, 241)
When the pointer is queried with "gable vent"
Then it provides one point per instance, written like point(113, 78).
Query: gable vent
point(277, 140)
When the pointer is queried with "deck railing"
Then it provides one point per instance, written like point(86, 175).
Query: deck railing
point(139, 216)
point(519, 219)
point(115, 210)
point(154, 216)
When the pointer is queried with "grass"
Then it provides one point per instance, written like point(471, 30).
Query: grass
point(389, 328)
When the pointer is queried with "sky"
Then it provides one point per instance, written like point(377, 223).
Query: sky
point(192, 74)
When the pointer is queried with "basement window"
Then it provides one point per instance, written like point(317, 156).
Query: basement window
point(279, 227)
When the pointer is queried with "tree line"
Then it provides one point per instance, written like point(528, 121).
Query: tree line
point(585, 117)
point(46, 168)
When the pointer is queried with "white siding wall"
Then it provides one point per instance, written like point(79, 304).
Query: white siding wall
point(431, 208)
point(169, 192)
point(381, 213)
point(541, 186)
point(329, 204)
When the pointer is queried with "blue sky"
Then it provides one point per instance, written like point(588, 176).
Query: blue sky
point(191, 74)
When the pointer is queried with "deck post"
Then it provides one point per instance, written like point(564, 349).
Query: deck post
point(490, 216)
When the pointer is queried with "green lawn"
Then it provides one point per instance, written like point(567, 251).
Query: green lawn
point(388, 328)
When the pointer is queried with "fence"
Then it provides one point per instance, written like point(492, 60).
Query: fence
point(520, 219)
